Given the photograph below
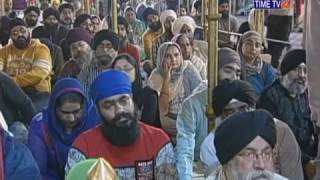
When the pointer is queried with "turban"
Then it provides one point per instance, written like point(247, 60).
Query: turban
point(227, 56)
point(32, 8)
point(228, 90)
point(292, 60)
point(149, 11)
point(16, 22)
point(183, 20)
point(78, 34)
point(105, 35)
point(65, 6)
point(97, 168)
point(123, 21)
point(239, 130)
point(167, 13)
point(80, 19)
point(223, 1)
point(110, 83)
point(51, 12)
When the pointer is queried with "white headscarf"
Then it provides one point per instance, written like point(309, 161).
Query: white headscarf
point(183, 20)
point(167, 13)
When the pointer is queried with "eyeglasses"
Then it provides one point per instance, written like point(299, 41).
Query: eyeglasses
point(252, 156)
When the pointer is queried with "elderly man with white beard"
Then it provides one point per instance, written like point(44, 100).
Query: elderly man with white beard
point(287, 100)
point(244, 146)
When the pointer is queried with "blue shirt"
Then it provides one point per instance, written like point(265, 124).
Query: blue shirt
point(192, 128)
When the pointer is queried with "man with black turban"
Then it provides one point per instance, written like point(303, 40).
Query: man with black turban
point(84, 21)
point(51, 30)
point(287, 100)
point(245, 144)
point(152, 19)
point(232, 97)
point(124, 45)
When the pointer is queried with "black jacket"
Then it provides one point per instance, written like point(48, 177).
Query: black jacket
point(148, 103)
point(55, 37)
point(294, 111)
point(15, 105)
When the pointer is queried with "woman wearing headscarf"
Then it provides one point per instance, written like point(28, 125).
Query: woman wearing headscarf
point(145, 98)
point(136, 28)
point(53, 131)
point(174, 79)
point(253, 68)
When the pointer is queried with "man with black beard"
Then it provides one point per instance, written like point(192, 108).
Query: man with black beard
point(287, 100)
point(31, 17)
point(124, 45)
point(51, 29)
point(29, 63)
point(135, 150)
point(227, 22)
point(151, 17)
point(105, 47)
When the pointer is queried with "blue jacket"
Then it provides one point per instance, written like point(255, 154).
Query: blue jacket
point(18, 161)
point(264, 79)
point(192, 129)
point(48, 140)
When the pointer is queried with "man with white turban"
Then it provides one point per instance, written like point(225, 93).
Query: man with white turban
point(186, 25)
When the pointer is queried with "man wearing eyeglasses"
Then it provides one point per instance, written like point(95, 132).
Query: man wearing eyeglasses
point(244, 146)
point(105, 47)
point(230, 98)
point(135, 150)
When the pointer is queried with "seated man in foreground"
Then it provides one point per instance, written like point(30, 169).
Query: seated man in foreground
point(134, 149)
point(244, 144)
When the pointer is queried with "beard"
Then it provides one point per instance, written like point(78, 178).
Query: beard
point(67, 21)
point(51, 27)
point(31, 23)
point(259, 175)
point(82, 57)
point(155, 26)
point(123, 41)
point(21, 42)
point(296, 86)
point(104, 61)
point(121, 134)
point(224, 14)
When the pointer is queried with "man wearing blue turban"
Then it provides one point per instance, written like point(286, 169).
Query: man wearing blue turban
point(134, 149)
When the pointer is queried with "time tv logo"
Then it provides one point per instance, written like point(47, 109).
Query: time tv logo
point(271, 4)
